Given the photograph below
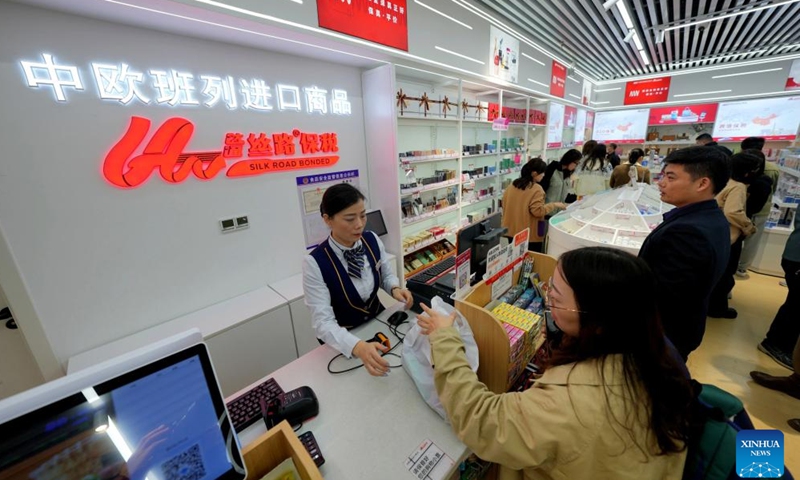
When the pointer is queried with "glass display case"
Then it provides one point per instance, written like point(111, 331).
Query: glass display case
point(620, 218)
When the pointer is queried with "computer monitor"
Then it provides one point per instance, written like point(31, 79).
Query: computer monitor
point(375, 223)
point(165, 420)
point(480, 237)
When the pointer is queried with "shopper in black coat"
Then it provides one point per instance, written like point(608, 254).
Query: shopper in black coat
point(688, 252)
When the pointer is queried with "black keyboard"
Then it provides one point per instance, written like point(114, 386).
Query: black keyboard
point(246, 410)
point(436, 270)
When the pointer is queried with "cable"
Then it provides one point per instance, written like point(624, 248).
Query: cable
point(394, 331)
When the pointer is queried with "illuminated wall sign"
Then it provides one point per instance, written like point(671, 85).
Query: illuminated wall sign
point(653, 90)
point(380, 21)
point(125, 85)
point(165, 152)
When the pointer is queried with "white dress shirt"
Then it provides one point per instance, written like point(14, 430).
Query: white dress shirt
point(318, 298)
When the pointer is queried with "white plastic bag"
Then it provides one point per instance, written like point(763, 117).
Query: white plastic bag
point(417, 355)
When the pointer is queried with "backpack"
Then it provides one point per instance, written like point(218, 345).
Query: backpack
point(717, 416)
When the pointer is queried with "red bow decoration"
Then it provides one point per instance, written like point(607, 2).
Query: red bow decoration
point(464, 108)
point(445, 105)
point(401, 101)
point(425, 102)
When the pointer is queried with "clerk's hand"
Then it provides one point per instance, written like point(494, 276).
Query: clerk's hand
point(431, 320)
point(403, 295)
point(370, 355)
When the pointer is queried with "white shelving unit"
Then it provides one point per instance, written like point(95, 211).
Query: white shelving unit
point(451, 203)
point(767, 259)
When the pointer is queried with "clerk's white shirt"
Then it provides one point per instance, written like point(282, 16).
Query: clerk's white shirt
point(318, 298)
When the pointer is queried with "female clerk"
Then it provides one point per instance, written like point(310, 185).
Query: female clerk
point(342, 275)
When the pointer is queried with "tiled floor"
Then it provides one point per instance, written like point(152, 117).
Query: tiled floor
point(728, 354)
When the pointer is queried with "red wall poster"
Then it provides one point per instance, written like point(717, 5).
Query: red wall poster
point(558, 80)
point(378, 21)
point(681, 114)
point(570, 115)
point(653, 90)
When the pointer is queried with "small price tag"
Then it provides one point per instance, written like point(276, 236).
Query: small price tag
point(429, 462)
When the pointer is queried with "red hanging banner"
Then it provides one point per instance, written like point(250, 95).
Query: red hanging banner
point(558, 79)
point(654, 90)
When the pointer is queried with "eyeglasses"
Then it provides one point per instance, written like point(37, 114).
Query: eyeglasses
point(549, 302)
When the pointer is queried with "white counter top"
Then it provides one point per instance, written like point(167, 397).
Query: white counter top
point(367, 426)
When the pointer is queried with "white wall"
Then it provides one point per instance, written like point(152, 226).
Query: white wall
point(99, 262)
point(426, 31)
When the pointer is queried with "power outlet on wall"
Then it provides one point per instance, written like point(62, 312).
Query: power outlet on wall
point(232, 224)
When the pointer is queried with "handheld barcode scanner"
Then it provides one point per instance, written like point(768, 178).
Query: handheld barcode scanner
point(382, 339)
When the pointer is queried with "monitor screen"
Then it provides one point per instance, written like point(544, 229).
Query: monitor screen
point(375, 223)
point(162, 421)
point(479, 237)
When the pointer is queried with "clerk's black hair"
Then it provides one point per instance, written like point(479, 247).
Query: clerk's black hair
point(339, 197)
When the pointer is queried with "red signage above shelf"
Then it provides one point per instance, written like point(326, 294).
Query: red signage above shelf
point(683, 114)
point(558, 79)
point(380, 22)
point(654, 90)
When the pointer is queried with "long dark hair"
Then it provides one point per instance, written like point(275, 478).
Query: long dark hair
point(635, 332)
point(588, 147)
point(525, 180)
point(598, 155)
point(635, 155)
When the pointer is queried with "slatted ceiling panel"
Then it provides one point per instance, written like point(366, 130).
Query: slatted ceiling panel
point(581, 30)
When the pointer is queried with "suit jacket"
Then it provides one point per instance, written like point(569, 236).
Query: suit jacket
point(564, 427)
point(688, 254)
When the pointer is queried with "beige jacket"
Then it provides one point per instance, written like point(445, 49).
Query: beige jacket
point(620, 176)
point(526, 209)
point(559, 429)
point(732, 200)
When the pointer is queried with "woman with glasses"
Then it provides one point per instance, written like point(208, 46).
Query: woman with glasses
point(612, 403)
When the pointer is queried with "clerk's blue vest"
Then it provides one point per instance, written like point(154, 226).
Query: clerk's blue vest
point(349, 309)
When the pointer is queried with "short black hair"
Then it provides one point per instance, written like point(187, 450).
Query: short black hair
point(762, 159)
point(339, 197)
point(702, 162)
point(704, 136)
point(756, 143)
point(613, 145)
point(744, 166)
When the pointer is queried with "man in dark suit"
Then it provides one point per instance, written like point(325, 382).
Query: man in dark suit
point(689, 251)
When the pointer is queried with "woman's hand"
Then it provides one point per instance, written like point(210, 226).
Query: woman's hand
point(561, 205)
point(403, 295)
point(431, 320)
point(370, 355)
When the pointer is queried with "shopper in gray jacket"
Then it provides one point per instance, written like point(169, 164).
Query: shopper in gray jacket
point(556, 182)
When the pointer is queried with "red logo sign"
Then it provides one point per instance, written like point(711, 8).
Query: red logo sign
point(537, 117)
point(647, 91)
point(558, 79)
point(377, 21)
point(681, 114)
point(165, 153)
